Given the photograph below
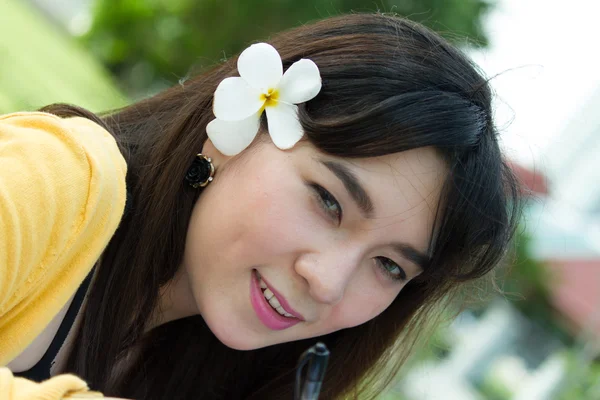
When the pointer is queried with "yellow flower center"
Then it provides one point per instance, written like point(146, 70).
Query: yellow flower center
point(270, 98)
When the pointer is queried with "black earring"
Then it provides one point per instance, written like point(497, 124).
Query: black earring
point(201, 171)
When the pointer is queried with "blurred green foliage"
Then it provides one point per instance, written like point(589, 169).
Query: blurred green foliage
point(492, 389)
point(527, 285)
point(40, 64)
point(150, 44)
point(582, 381)
point(526, 278)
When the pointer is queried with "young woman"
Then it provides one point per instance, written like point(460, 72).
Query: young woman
point(340, 202)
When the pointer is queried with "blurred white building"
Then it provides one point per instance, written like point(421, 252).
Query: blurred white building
point(573, 162)
point(500, 351)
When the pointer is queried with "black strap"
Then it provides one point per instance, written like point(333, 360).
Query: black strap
point(41, 371)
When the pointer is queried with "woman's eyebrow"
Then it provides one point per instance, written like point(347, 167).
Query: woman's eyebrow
point(413, 255)
point(353, 186)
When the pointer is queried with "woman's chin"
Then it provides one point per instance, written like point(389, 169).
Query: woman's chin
point(236, 337)
point(236, 343)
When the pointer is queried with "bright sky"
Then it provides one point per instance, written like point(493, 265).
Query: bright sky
point(547, 53)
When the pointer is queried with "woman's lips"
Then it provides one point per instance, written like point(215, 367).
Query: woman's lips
point(265, 313)
point(286, 306)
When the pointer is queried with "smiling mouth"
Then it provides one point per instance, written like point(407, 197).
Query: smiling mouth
point(271, 298)
point(271, 307)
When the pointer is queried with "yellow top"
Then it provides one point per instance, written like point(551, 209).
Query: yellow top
point(62, 195)
point(58, 388)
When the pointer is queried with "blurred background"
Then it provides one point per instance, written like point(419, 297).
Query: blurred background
point(538, 336)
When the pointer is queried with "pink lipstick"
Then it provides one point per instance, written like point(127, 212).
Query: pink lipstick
point(265, 313)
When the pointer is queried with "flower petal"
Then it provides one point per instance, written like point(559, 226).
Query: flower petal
point(231, 137)
point(260, 65)
point(236, 100)
point(284, 126)
point(300, 83)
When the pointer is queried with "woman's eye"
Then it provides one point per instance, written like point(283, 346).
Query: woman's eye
point(329, 204)
point(390, 268)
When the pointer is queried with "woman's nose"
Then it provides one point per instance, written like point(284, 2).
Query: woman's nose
point(327, 275)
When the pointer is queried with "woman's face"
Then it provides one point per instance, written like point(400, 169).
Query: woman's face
point(334, 240)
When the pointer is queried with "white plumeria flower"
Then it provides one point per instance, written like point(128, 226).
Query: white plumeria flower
point(262, 85)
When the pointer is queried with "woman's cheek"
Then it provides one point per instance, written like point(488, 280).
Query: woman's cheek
point(285, 218)
point(361, 305)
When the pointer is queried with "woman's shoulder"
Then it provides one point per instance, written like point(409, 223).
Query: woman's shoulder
point(76, 134)
point(62, 196)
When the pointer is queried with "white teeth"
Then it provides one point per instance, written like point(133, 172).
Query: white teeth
point(281, 311)
point(268, 294)
point(274, 302)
